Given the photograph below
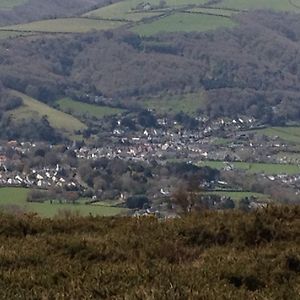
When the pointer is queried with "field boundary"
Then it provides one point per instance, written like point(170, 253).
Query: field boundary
point(293, 4)
point(204, 13)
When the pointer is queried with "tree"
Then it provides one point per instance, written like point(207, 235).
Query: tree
point(244, 204)
point(137, 201)
point(227, 203)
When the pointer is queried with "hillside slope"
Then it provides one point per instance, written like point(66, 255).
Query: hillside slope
point(229, 256)
point(33, 109)
point(31, 10)
point(250, 68)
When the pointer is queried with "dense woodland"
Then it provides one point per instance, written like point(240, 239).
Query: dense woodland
point(252, 69)
point(211, 255)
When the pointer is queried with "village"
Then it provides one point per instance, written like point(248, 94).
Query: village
point(80, 168)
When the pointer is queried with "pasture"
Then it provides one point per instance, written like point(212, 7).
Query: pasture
point(183, 22)
point(13, 199)
point(187, 103)
point(81, 108)
point(278, 5)
point(124, 10)
point(33, 109)
point(65, 25)
point(255, 168)
point(288, 134)
point(130, 9)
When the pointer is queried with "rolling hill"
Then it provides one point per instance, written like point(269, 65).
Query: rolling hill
point(144, 18)
point(159, 54)
point(237, 68)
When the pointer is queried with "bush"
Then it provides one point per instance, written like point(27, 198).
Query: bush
point(198, 256)
point(138, 201)
point(36, 195)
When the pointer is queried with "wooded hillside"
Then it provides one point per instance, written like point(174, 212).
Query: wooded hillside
point(252, 69)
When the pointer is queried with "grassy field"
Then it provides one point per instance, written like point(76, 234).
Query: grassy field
point(279, 5)
point(183, 22)
point(121, 11)
point(270, 169)
point(11, 197)
point(188, 103)
point(289, 134)
point(127, 10)
point(33, 109)
point(67, 25)
point(8, 4)
point(77, 107)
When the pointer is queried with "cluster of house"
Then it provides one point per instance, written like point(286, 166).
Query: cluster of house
point(170, 141)
point(41, 178)
point(292, 181)
point(167, 142)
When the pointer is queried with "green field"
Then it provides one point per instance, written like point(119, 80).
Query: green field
point(67, 25)
point(16, 197)
point(127, 10)
point(77, 107)
point(279, 5)
point(8, 4)
point(183, 22)
point(33, 109)
point(188, 103)
point(121, 11)
point(288, 134)
point(257, 168)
